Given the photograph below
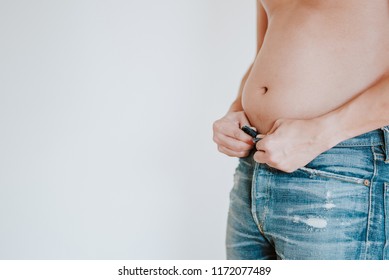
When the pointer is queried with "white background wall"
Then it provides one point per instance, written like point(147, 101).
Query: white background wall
point(106, 110)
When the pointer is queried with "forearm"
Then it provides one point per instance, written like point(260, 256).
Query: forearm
point(227, 133)
point(237, 104)
point(367, 111)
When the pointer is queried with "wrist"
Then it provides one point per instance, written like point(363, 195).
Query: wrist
point(330, 130)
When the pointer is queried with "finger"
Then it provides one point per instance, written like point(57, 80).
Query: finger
point(260, 157)
point(233, 144)
point(231, 129)
point(260, 144)
point(236, 133)
point(232, 153)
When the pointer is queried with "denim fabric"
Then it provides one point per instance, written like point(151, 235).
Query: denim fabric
point(336, 207)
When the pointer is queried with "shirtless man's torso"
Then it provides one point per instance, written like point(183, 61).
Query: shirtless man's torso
point(316, 55)
point(316, 185)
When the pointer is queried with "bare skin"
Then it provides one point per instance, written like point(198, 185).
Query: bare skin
point(321, 76)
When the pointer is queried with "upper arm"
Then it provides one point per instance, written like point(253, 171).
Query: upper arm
point(261, 24)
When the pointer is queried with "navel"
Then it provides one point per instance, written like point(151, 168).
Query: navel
point(262, 90)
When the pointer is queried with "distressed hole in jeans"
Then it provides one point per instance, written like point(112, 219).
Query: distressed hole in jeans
point(313, 222)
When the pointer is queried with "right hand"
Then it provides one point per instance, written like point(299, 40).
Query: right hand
point(229, 137)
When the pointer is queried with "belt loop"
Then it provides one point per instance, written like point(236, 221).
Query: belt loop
point(385, 130)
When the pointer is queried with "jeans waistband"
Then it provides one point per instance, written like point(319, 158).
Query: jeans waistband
point(372, 138)
point(378, 137)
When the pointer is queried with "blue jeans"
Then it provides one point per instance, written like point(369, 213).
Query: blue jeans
point(336, 207)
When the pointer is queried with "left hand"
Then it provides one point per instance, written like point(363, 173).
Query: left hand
point(291, 144)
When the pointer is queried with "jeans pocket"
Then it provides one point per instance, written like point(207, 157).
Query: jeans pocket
point(331, 175)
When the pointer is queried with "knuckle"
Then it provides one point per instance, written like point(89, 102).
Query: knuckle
point(236, 134)
point(265, 145)
point(241, 146)
point(243, 153)
point(216, 126)
point(258, 146)
point(222, 150)
point(257, 157)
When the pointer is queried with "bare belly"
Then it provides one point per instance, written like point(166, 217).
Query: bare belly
point(314, 59)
